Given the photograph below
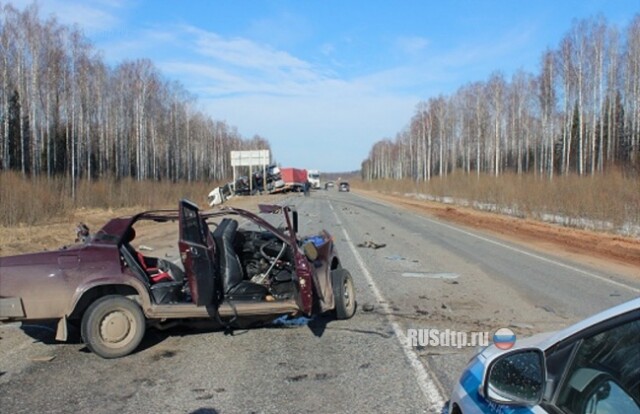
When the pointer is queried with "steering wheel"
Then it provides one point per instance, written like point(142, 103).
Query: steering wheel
point(265, 254)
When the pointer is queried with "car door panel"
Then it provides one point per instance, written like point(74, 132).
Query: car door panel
point(197, 254)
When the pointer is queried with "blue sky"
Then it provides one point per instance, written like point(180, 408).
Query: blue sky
point(324, 80)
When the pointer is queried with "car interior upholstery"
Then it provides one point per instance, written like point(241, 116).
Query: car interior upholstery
point(234, 284)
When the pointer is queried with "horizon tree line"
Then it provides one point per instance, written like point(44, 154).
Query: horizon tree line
point(579, 114)
point(65, 112)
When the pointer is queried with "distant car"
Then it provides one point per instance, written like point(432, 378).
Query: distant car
point(590, 367)
point(225, 275)
point(344, 186)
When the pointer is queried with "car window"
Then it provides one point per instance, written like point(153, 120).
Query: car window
point(605, 374)
point(192, 227)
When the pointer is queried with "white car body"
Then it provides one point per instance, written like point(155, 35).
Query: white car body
point(469, 394)
point(221, 194)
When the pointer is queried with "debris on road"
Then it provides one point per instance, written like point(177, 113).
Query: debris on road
point(430, 275)
point(371, 245)
point(287, 321)
point(297, 378)
point(147, 248)
point(546, 308)
point(420, 311)
point(520, 325)
point(367, 307)
point(42, 358)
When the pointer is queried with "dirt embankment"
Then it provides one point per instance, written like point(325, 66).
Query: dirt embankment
point(55, 235)
point(580, 245)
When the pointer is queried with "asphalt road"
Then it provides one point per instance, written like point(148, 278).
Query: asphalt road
point(410, 272)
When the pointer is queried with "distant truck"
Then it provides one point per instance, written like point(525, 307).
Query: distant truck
point(313, 176)
point(291, 179)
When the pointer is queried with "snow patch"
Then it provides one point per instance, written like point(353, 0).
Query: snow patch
point(627, 229)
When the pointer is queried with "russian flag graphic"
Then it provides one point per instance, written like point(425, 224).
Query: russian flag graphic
point(504, 338)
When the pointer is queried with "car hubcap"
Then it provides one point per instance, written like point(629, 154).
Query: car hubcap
point(347, 293)
point(115, 327)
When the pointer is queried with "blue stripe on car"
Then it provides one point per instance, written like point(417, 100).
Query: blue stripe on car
point(470, 382)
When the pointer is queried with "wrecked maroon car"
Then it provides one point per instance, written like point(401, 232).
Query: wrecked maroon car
point(224, 274)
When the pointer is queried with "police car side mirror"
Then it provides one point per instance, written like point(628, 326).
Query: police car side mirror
point(516, 378)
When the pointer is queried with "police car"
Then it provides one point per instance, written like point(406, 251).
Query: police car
point(591, 367)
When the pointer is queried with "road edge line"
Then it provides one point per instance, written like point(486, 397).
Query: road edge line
point(430, 390)
point(518, 250)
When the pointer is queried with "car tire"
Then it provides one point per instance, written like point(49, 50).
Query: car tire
point(343, 293)
point(113, 326)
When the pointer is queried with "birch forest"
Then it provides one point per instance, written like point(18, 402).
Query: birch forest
point(64, 112)
point(580, 114)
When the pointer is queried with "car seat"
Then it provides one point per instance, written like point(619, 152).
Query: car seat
point(233, 282)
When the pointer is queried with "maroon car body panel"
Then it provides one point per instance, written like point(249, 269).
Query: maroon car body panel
point(54, 284)
point(48, 282)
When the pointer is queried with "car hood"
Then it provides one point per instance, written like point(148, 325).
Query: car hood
point(534, 341)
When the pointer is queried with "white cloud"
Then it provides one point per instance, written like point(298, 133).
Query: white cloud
point(243, 52)
point(327, 49)
point(412, 45)
point(91, 18)
point(312, 118)
point(283, 29)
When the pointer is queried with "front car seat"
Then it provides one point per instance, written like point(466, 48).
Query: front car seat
point(233, 282)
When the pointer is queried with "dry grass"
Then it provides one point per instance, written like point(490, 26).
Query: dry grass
point(613, 198)
point(40, 200)
point(53, 226)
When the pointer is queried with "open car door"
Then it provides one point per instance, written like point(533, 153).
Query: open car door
point(197, 251)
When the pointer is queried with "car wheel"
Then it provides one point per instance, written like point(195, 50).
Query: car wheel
point(113, 326)
point(344, 293)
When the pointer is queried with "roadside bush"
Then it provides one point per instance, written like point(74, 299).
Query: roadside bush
point(610, 198)
point(30, 201)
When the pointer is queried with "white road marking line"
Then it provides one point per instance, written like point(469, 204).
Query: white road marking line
point(535, 256)
point(425, 380)
point(526, 253)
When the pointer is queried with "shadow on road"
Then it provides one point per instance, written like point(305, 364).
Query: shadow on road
point(45, 332)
